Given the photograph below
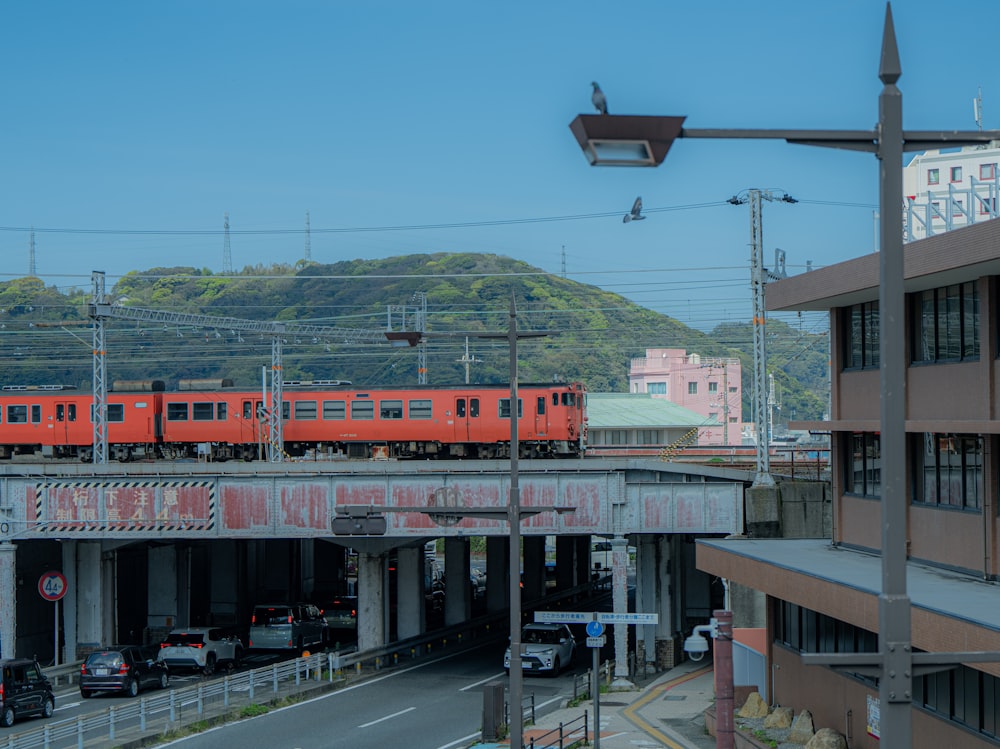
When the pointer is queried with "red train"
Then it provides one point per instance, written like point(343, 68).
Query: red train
point(213, 420)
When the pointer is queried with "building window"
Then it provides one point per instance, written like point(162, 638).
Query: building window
point(863, 474)
point(692, 388)
point(656, 388)
point(647, 437)
point(956, 174)
point(946, 324)
point(713, 387)
point(957, 208)
point(861, 336)
point(987, 206)
point(948, 470)
point(616, 437)
point(987, 171)
point(961, 695)
point(933, 176)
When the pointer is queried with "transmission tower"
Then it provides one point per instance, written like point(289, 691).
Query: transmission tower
point(759, 276)
point(31, 254)
point(227, 253)
point(307, 252)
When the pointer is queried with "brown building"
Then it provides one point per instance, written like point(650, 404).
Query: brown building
point(822, 595)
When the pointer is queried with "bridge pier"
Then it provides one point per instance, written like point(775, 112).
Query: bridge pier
point(8, 594)
point(457, 598)
point(411, 605)
point(372, 599)
point(497, 574)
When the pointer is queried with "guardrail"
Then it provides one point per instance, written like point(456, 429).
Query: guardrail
point(563, 736)
point(582, 682)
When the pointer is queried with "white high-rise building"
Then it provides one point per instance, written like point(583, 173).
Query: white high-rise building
point(945, 189)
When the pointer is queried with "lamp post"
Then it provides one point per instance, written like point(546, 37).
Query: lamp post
point(644, 141)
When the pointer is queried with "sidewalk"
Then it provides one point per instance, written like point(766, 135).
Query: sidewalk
point(664, 712)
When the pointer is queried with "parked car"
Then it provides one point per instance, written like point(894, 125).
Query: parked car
point(547, 648)
point(201, 648)
point(123, 668)
point(342, 613)
point(24, 691)
point(287, 626)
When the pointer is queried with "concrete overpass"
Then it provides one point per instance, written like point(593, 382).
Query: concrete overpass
point(194, 543)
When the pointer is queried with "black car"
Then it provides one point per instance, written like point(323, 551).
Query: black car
point(24, 691)
point(123, 668)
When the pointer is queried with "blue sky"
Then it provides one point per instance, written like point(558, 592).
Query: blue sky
point(141, 124)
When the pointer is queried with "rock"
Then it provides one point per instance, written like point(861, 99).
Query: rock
point(754, 707)
point(827, 738)
point(802, 728)
point(780, 718)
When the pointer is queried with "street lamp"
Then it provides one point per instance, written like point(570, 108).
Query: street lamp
point(644, 141)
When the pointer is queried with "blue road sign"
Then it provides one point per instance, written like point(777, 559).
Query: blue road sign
point(595, 629)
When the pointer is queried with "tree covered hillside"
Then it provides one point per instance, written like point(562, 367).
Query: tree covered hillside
point(454, 298)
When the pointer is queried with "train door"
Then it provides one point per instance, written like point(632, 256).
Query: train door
point(65, 420)
point(541, 418)
point(254, 420)
point(468, 424)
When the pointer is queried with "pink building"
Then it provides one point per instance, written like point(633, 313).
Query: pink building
point(709, 386)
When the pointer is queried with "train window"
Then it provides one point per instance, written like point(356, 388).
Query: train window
point(72, 411)
point(390, 409)
point(305, 410)
point(569, 399)
point(286, 410)
point(247, 410)
point(116, 413)
point(421, 409)
point(334, 410)
point(17, 414)
point(36, 414)
point(473, 407)
point(221, 411)
point(202, 411)
point(60, 412)
point(460, 408)
point(362, 410)
point(177, 412)
point(541, 405)
point(555, 399)
point(505, 408)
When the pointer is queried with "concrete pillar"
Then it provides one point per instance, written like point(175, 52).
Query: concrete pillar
point(533, 568)
point(583, 558)
point(457, 597)
point(8, 594)
point(411, 614)
point(497, 572)
point(225, 583)
point(619, 599)
point(371, 601)
point(70, 600)
point(646, 595)
point(566, 566)
point(162, 598)
point(89, 606)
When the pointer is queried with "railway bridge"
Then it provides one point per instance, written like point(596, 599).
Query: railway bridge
point(145, 547)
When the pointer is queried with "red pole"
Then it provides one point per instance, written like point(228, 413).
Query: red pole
point(724, 717)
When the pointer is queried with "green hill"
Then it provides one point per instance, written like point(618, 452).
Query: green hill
point(455, 298)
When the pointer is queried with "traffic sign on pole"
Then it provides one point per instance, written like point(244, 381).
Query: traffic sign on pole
point(52, 586)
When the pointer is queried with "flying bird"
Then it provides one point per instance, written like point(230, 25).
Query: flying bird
point(600, 103)
point(635, 213)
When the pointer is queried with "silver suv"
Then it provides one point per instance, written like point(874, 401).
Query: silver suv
point(547, 648)
point(201, 648)
point(287, 626)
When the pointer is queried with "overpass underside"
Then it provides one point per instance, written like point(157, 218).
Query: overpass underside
point(148, 547)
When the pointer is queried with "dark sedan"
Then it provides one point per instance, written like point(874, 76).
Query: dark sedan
point(125, 669)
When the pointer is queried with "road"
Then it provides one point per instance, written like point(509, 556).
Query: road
point(436, 704)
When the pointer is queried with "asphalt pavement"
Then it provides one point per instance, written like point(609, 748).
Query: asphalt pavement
point(666, 710)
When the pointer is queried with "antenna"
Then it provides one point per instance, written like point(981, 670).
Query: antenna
point(564, 261)
point(308, 249)
point(977, 107)
point(227, 255)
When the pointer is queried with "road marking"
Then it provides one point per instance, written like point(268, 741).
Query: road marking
point(462, 740)
point(387, 717)
point(68, 705)
point(488, 678)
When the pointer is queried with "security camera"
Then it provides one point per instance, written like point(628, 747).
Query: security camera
point(696, 645)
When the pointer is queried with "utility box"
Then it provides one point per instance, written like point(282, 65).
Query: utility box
point(493, 710)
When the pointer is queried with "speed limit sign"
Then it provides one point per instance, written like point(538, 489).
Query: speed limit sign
point(52, 586)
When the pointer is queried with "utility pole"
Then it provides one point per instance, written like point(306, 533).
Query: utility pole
point(307, 251)
point(759, 276)
point(227, 255)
